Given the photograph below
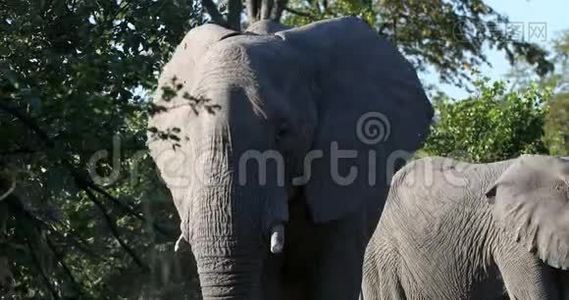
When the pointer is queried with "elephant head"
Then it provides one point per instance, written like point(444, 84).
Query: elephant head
point(531, 203)
point(274, 105)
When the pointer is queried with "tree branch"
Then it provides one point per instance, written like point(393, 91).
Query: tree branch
point(10, 189)
point(278, 9)
point(214, 13)
point(59, 257)
point(79, 179)
point(234, 14)
point(19, 151)
point(83, 183)
point(114, 230)
point(88, 184)
point(40, 269)
point(252, 11)
point(21, 215)
point(266, 8)
point(29, 122)
point(75, 239)
point(16, 204)
point(300, 13)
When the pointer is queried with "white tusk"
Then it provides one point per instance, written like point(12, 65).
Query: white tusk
point(179, 243)
point(10, 190)
point(277, 239)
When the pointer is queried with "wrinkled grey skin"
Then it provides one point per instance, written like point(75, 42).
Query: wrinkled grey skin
point(452, 230)
point(291, 92)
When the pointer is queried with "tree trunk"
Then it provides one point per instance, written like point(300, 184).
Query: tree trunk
point(234, 14)
point(265, 10)
point(252, 11)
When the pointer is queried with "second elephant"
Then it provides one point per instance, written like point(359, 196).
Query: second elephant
point(452, 230)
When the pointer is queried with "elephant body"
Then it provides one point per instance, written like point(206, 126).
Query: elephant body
point(452, 230)
point(259, 119)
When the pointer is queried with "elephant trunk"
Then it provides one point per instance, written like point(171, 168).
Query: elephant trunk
point(230, 276)
point(230, 221)
point(227, 242)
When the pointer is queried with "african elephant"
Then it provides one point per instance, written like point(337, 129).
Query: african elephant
point(453, 230)
point(258, 120)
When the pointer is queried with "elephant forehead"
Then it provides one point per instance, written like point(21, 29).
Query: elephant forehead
point(261, 52)
point(262, 72)
point(534, 172)
point(238, 49)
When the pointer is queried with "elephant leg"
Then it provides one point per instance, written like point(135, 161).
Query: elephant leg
point(563, 283)
point(296, 265)
point(339, 263)
point(271, 279)
point(370, 280)
point(380, 275)
point(284, 278)
point(525, 277)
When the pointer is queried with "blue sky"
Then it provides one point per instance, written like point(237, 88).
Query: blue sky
point(555, 15)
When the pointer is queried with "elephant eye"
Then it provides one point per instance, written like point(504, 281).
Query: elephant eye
point(282, 132)
point(562, 187)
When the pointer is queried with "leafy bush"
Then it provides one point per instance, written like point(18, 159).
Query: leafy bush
point(557, 125)
point(495, 124)
point(71, 73)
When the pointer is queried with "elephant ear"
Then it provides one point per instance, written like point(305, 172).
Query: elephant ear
point(369, 102)
point(175, 80)
point(531, 203)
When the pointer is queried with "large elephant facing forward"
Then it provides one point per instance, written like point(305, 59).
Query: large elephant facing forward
point(263, 121)
point(452, 230)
